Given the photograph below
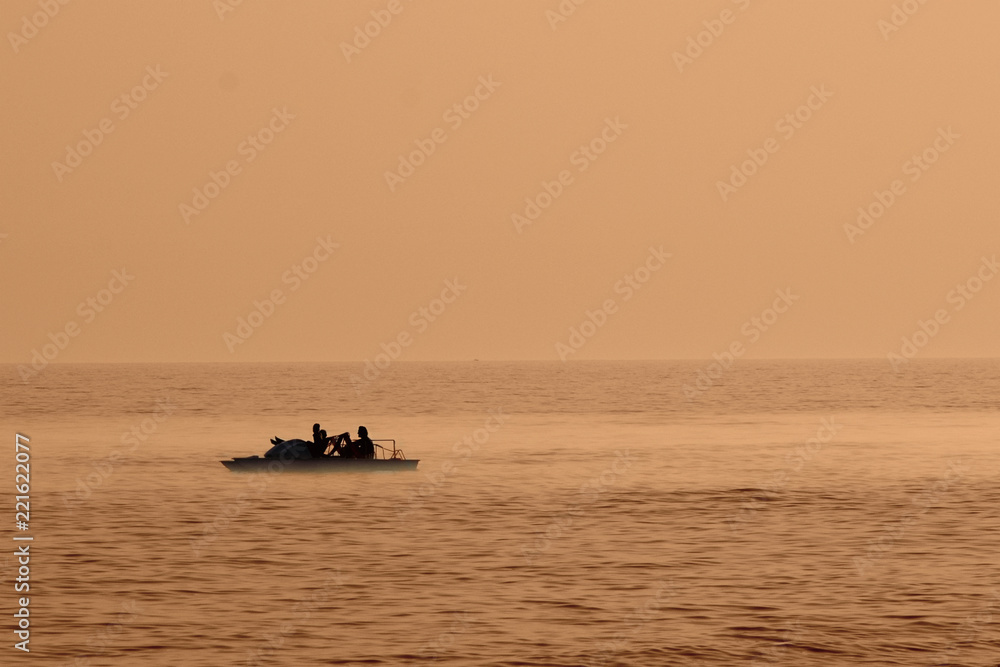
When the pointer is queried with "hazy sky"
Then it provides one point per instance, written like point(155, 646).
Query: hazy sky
point(633, 125)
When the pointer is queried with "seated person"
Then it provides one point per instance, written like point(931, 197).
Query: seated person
point(365, 444)
point(319, 442)
point(362, 448)
point(340, 445)
point(343, 444)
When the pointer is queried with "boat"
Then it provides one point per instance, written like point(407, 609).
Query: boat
point(293, 455)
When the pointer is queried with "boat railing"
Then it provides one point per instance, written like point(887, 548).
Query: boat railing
point(393, 453)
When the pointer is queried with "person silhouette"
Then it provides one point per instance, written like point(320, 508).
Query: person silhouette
point(318, 445)
point(342, 445)
point(366, 448)
point(320, 442)
point(362, 448)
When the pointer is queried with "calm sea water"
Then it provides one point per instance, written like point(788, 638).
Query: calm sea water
point(793, 513)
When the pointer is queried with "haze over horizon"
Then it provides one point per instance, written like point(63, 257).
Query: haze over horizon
point(361, 192)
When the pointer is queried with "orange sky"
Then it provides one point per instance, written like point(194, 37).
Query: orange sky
point(614, 119)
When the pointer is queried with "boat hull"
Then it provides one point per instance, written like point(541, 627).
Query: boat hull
point(325, 464)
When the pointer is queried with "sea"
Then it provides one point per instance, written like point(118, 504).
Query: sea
point(766, 513)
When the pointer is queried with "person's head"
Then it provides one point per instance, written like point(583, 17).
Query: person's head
point(315, 428)
point(362, 432)
point(322, 433)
